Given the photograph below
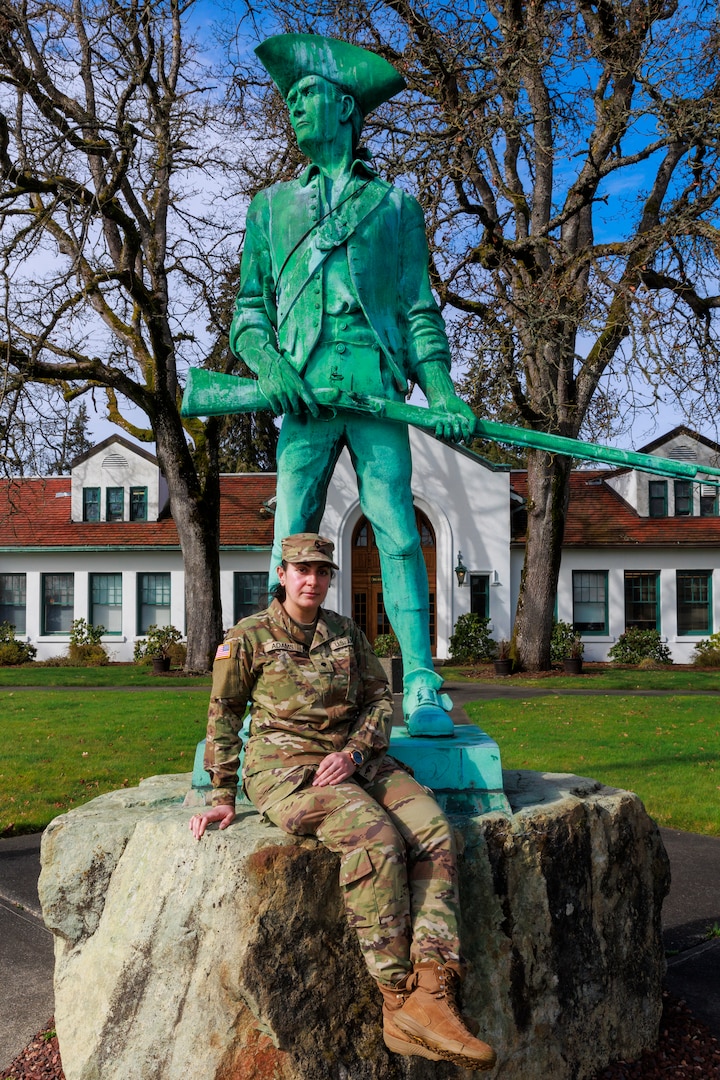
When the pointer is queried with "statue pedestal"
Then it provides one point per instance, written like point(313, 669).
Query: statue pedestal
point(463, 769)
point(232, 957)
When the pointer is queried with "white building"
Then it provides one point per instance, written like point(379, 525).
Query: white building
point(101, 545)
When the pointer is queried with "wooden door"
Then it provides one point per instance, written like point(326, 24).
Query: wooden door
point(368, 609)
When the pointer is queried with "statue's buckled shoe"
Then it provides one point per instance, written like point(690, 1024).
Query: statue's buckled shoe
point(426, 712)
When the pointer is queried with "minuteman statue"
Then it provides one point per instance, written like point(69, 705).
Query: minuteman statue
point(335, 292)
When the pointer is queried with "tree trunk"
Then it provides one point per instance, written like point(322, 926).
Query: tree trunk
point(547, 500)
point(196, 513)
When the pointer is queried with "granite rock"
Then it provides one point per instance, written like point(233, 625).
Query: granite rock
point(230, 959)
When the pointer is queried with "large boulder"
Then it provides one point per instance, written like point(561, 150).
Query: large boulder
point(230, 959)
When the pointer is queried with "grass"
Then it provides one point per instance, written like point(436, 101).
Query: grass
point(109, 675)
point(666, 749)
point(600, 677)
point(69, 739)
point(62, 748)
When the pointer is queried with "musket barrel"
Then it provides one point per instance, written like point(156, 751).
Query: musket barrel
point(210, 393)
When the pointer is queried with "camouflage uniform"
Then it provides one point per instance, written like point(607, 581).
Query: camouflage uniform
point(310, 696)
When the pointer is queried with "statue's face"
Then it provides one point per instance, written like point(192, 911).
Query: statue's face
point(318, 110)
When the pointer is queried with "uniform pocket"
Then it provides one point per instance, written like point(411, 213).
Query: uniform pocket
point(355, 866)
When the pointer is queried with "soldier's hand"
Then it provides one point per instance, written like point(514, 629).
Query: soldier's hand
point(458, 424)
point(284, 388)
point(333, 769)
point(198, 823)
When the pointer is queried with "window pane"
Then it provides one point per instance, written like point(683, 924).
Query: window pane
point(12, 600)
point(91, 504)
point(251, 593)
point(641, 599)
point(138, 504)
point(657, 490)
point(683, 498)
point(58, 599)
point(480, 595)
point(590, 601)
point(106, 601)
point(693, 602)
point(114, 504)
point(153, 601)
point(360, 610)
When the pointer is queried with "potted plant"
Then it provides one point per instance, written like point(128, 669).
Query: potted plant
point(572, 661)
point(387, 649)
point(503, 661)
point(566, 647)
point(156, 647)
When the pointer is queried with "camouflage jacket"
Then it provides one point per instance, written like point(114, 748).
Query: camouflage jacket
point(305, 702)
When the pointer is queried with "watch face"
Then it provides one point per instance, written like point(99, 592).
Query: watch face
point(357, 757)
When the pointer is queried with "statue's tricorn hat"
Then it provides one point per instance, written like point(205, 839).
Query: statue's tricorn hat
point(363, 74)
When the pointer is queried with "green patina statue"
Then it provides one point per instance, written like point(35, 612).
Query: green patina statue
point(335, 292)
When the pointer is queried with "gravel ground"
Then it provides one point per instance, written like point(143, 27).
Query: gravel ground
point(686, 1051)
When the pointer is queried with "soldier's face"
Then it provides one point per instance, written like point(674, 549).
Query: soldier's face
point(306, 586)
point(317, 112)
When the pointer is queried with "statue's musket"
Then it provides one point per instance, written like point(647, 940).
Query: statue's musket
point(209, 393)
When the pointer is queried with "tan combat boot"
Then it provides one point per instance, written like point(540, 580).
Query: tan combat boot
point(429, 1016)
point(394, 997)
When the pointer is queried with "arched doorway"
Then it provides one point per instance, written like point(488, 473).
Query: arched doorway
point(368, 610)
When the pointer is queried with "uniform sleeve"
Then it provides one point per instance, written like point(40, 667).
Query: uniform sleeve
point(252, 330)
point(425, 335)
point(370, 734)
point(231, 690)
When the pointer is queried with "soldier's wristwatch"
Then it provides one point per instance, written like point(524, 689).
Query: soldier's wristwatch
point(356, 758)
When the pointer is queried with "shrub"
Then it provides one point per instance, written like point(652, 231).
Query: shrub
point(85, 649)
point(12, 651)
point(386, 645)
point(471, 641)
point(158, 641)
point(707, 652)
point(564, 641)
point(635, 645)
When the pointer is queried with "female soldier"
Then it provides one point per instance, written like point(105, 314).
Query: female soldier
point(316, 764)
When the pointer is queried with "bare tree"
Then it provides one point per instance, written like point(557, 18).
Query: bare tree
point(121, 209)
point(566, 155)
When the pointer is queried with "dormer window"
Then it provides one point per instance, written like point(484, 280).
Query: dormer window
point(91, 504)
point(683, 498)
point(657, 498)
point(114, 503)
point(138, 504)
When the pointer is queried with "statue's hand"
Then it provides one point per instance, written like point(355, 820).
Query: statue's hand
point(458, 424)
point(284, 388)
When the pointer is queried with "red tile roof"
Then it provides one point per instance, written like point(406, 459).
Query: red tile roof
point(598, 516)
point(36, 513)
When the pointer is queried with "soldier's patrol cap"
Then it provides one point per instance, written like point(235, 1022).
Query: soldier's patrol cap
point(366, 76)
point(308, 547)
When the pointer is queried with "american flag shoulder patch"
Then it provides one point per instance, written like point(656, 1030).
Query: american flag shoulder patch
point(223, 651)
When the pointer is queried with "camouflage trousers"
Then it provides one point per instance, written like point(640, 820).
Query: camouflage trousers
point(398, 866)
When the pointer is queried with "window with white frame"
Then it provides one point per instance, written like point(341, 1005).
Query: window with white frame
point(590, 601)
point(153, 601)
point(58, 599)
point(106, 602)
point(250, 593)
point(480, 595)
point(642, 599)
point(13, 601)
point(694, 601)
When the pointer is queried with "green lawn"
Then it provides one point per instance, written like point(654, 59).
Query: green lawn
point(598, 677)
point(71, 738)
point(63, 747)
point(667, 749)
point(109, 675)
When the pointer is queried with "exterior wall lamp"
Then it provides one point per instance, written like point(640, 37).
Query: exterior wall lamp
point(461, 570)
